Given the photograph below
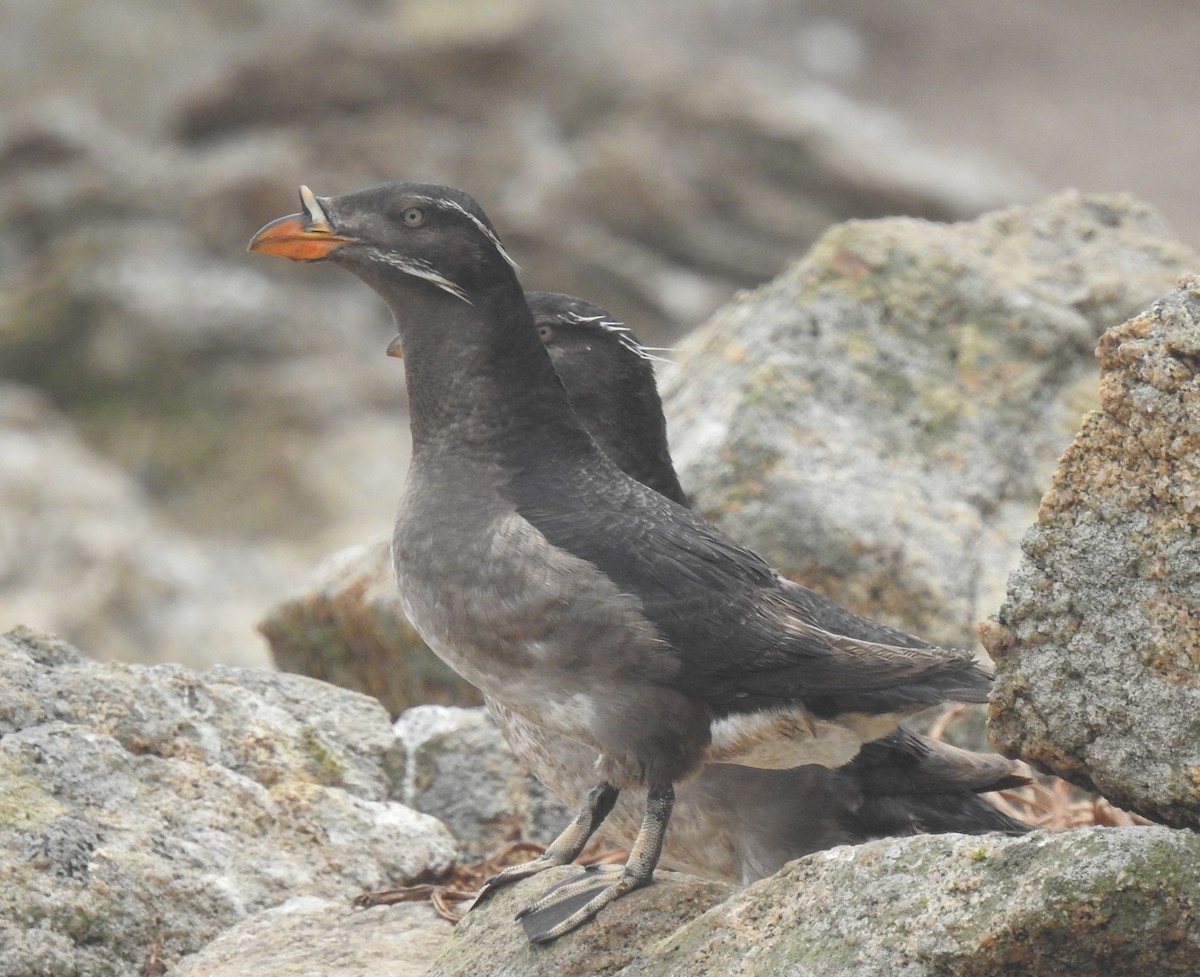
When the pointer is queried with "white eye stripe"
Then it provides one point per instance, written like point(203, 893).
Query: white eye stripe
point(638, 349)
point(419, 268)
point(484, 229)
point(623, 333)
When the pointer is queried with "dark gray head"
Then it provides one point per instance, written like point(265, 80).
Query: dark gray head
point(476, 370)
point(432, 235)
point(609, 378)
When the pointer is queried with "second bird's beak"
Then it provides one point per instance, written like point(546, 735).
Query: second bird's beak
point(301, 237)
point(396, 348)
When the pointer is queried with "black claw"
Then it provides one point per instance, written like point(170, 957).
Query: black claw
point(489, 886)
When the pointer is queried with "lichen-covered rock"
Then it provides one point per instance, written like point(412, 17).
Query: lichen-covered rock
point(1098, 645)
point(1091, 901)
point(145, 808)
point(881, 419)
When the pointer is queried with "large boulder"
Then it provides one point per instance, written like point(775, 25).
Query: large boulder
point(144, 809)
point(880, 420)
point(155, 812)
point(308, 936)
point(1098, 644)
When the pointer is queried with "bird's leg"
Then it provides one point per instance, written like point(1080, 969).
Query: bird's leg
point(563, 849)
point(574, 902)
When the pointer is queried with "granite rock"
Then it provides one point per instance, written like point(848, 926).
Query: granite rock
point(1098, 644)
point(143, 809)
point(1091, 901)
point(307, 936)
point(880, 420)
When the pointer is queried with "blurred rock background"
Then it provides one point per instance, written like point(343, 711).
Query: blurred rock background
point(186, 429)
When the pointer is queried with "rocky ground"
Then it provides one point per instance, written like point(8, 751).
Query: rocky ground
point(157, 819)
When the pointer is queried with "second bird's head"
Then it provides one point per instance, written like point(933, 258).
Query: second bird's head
point(397, 237)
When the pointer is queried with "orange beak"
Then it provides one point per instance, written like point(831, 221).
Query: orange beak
point(301, 237)
point(396, 348)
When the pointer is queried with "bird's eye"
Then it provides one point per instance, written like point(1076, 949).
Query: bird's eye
point(413, 217)
point(546, 333)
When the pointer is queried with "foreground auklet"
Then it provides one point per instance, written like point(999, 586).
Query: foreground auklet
point(572, 594)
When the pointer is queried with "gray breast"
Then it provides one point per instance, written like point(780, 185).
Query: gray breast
point(550, 637)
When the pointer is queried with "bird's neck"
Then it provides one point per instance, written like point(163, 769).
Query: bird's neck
point(485, 387)
point(641, 436)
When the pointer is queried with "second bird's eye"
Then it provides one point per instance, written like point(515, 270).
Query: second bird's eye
point(546, 333)
point(413, 217)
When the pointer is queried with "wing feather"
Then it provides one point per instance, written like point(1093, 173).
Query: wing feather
point(747, 637)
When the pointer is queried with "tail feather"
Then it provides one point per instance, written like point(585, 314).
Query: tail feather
point(968, 814)
point(857, 675)
point(910, 783)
